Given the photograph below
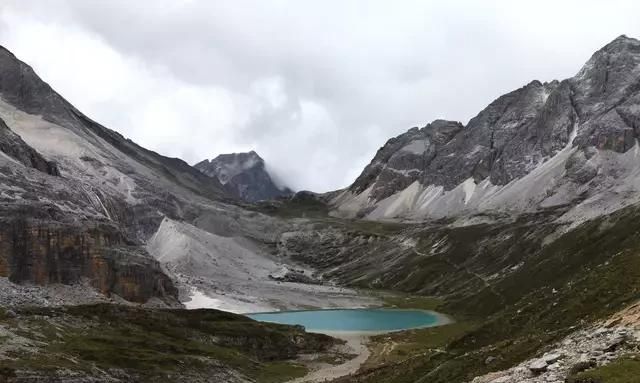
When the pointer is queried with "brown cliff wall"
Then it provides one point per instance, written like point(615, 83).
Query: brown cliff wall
point(43, 253)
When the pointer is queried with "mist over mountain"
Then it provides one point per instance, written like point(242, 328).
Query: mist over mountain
point(245, 175)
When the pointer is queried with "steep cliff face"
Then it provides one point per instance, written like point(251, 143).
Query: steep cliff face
point(244, 175)
point(402, 159)
point(45, 253)
point(543, 145)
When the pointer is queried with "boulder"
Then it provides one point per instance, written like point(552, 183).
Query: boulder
point(550, 358)
point(538, 366)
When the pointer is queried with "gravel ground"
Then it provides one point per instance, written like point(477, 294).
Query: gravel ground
point(12, 295)
point(598, 346)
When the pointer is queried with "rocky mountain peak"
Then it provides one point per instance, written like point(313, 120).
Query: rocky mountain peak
point(21, 87)
point(401, 160)
point(621, 42)
point(244, 174)
point(611, 67)
point(544, 144)
point(226, 166)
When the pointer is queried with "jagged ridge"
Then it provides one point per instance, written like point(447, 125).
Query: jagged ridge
point(562, 134)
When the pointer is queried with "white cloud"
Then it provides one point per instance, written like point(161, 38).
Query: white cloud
point(314, 87)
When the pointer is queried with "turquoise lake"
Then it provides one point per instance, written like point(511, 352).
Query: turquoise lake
point(352, 319)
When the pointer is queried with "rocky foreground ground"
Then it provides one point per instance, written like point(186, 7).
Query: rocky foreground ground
point(576, 356)
point(581, 351)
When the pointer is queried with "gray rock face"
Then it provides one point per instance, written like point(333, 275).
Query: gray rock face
point(595, 112)
point(244, 175)
point(21, 87)
point(505, 141)
point(402, 159)
point(13, 146)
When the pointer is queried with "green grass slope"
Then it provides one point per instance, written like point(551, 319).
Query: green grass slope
point(513, 288)
point(151, 345)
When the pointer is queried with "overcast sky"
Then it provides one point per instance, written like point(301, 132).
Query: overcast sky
point(314, 87)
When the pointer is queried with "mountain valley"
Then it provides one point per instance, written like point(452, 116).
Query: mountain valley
point(118, 264)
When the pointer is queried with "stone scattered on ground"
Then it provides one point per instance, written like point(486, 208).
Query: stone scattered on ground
point(591, 347)
point(285, 274)
point(15, 295)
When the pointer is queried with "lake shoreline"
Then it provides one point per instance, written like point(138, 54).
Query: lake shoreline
point(440, 319)
point(356, 344)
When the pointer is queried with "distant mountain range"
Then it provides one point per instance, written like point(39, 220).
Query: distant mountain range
point(244, 175)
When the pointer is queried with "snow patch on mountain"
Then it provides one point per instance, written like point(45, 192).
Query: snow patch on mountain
point(468, 186)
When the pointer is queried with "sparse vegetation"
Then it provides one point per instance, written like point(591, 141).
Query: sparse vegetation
point(301, 205)
point(275, 372)
point(580, 367)
point(396, 347)
point(584, 275)
point(374, 227)
point(625, 370)
point(408, 301)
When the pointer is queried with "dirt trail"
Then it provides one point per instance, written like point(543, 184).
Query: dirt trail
point(324, 372)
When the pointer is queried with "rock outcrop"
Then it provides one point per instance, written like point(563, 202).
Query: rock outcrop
point(582, 350)
point(402, 160)
point(46, 254)
point(13, 146)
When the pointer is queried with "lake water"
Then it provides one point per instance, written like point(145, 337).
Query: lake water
point(355, 320)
